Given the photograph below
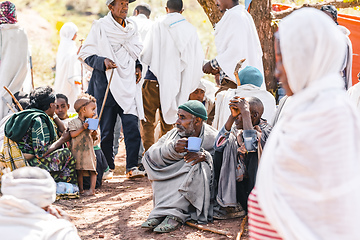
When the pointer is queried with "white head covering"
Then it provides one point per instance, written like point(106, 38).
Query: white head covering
point(307, 182)
point(68, 30)
point(108, 2)
point(39, 190)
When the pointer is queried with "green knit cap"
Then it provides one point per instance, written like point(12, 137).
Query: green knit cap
point(196, 108)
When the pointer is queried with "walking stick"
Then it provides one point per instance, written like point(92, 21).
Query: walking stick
point(14, 98)
point(210, 229)
point(7, 104)
point(236, 71)
point(106, 95)
point(82, 71)
point(32, 74)
point(242, 227)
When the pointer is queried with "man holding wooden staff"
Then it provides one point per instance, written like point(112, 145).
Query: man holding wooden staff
point(114, 44)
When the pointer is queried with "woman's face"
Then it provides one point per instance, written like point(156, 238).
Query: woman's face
point(51, 109)
point(280, 72)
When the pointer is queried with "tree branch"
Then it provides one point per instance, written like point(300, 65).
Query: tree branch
point(336, 3)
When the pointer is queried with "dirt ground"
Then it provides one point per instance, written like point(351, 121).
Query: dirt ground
point(121, 205)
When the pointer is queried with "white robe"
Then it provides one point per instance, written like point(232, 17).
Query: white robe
point(236, 38)
point(107, 38)
point(223, 98)
point(68, 67)
point(173, 51)
point(354, 93)
point(13, 61)
point(20, 219)
point(308, 183)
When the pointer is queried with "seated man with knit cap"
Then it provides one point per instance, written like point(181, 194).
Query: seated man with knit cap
point(25, 211)
point(181, 179)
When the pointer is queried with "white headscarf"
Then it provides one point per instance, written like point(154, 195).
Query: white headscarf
point(68, 31)
point(307, 182)
point(40, 192)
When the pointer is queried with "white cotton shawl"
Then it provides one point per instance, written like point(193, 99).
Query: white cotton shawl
point(68, 67)
point(222, 110)
point(173, 51)
point(308, 180)
point(13, 61)
point(20, 219)
point(40, 192)
point(107, 38)
point(236, 38)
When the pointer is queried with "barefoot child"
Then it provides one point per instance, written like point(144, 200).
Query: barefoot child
point(82, 143)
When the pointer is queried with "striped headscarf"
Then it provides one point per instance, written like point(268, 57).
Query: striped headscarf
point(7, 13)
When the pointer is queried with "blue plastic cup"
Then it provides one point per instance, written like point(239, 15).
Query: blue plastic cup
point(93, 123)
point(194, 144)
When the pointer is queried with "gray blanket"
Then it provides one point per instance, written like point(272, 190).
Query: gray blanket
point(180, 189)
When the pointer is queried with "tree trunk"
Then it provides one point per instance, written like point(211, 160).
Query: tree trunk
point(261, 13)
point(211, 10)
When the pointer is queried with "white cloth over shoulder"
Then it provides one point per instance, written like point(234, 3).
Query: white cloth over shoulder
point(308, 180)
point(349, 57)
point(354, 93)
point(143, 24)
point(174, 53)
point(236, 38)
point(223, 98)
point(21, 213)
point(107, 38)
point(13, 61)
point(68, 67)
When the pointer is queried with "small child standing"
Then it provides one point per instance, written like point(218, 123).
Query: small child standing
point(82, 143)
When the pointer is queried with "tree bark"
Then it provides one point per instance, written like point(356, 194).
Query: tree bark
point(261, 13)
point(211, 10)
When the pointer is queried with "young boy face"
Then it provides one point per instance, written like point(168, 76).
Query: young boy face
point(198, 94)
point(61, 108)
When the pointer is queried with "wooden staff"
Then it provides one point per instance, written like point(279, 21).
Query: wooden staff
point(14, 98)
point(32, 73)
point(8, 105)
point(242, 227)
point(236, 71)
point(106, 95)
point(82, 71)
point(210, 229)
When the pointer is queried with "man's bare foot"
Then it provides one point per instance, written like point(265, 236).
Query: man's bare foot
point(81, 192)
point(89, 193)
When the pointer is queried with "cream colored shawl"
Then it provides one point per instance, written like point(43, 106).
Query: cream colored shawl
point(308, 179)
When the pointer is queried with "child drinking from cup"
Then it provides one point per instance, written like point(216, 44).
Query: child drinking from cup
point(82, 141)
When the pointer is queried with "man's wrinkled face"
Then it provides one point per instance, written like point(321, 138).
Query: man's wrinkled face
point(61, 108)
point(198, 94)
point(185, 123)
point(119, 8)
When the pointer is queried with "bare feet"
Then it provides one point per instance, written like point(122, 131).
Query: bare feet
point(89, 193)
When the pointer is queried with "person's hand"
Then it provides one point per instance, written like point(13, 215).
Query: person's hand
point(85, 125)
point(138, 74)
point(207, 68)
point(57, 212)
point(181, 145)
point(66, 136)
point(239, 103)
point(109, 64)
point(195, 157)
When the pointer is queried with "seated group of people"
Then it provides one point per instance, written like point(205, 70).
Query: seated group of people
point(215, 181)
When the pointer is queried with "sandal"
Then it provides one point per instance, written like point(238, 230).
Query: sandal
point(152, 223)
point(166, 227)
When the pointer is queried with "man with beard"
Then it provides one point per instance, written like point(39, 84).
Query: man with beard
point(181, 179)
